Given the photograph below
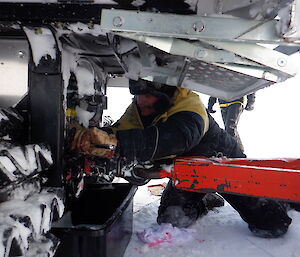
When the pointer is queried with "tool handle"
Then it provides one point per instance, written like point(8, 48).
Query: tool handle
point(110, 147)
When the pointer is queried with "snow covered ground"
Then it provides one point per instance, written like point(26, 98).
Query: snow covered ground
point(220, 233)
point(271, 130)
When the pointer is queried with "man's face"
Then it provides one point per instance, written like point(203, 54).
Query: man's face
point(146, 103)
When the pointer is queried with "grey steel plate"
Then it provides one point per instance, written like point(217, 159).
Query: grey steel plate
point(220, 82)
point(171, 25)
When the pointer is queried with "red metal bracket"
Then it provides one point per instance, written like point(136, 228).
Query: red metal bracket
point(279, 179)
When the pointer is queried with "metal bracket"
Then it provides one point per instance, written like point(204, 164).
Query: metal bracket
point(277, 179)
point(192, 27)
point(234, 35)
point(46, 97)
point(238, 64)
point(217, 57)
point(260, 54)
point(183, 48)
point(42, 40)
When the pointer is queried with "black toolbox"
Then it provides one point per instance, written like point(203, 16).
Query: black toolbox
point(99, 224)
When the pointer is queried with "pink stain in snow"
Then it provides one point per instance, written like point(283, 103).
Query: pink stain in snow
point(167, 238)
point(139, 250)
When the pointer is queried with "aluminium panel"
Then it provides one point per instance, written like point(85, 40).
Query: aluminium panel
point(172, 25)
point(220, 82)
point(14, 56)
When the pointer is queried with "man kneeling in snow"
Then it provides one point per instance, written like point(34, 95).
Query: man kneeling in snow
point(165, 121)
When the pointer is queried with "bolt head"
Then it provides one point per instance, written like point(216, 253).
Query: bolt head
point(198, 26)
point(118, 21)
point(21, 54)
point(200, 54)
point(281, 62)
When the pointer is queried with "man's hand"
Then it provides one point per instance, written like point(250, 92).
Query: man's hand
point(95, 142)
point(102, 144)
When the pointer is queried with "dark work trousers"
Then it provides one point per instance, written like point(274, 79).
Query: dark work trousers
point(259, 213)
point(231, 116)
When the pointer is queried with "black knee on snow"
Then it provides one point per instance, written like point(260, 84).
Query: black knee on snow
point(212, 200)
point(179, 216)
point(182, 208)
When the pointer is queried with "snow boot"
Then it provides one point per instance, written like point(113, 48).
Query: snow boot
point(180, 208)
point(268, 233)
point(271, 219)
point(212, 200)
point(265, 217)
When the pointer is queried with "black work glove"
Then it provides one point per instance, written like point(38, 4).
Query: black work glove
point(250, 102)
point(211, 103)
point(210, 110)
point(249, 107)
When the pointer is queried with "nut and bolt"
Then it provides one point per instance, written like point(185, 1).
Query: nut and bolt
point(118, 21)
point(21, 54)
point(200, 54)
point(198, 26)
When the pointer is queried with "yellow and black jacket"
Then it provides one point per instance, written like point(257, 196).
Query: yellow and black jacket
point(184, 129)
